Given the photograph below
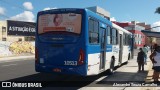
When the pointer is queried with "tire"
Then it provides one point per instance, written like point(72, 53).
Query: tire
point(111, 70)
point(129, 56)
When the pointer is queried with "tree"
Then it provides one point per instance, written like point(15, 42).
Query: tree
point(158, 10)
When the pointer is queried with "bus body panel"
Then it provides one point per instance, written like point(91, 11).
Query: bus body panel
point(115, 54)
point(94, 50)
point(93, 64)
point(62, 56)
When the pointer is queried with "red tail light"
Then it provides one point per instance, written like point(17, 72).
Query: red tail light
point(81, 57)
point(36, 55)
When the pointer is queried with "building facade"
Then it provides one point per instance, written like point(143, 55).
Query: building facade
point(104, 13)
point(17, 38)
point(139, 37)
point(17, 31)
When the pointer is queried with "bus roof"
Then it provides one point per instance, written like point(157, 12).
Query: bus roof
point(60, 10)
point(99, 17)
point(120, 28)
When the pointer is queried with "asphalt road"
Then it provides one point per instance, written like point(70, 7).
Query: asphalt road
point(16, 68)
point(23, 70)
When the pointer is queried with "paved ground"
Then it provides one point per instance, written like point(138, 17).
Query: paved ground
point(150, 73)
point(7, 59)
point(23, 69)
point(126, 73)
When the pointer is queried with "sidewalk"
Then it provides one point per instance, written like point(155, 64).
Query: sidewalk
point(150, 73)
point(124, 74)
point(150, 70)
point(16, 58)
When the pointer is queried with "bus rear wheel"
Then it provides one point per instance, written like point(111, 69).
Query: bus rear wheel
point(129, 56)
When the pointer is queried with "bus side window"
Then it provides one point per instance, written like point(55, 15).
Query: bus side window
point(111, 39)
point(93, 31)
point(130, 40)
point(108, 35)
point(127, 38)
point(124, 39)
point(114, 36)
point(117, 35)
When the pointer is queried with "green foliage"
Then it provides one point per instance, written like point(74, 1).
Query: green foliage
point(158, 10)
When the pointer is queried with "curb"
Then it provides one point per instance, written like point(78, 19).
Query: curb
point(17, 57)
point(150, 73)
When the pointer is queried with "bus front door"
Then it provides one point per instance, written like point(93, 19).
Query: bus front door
point(103, 48)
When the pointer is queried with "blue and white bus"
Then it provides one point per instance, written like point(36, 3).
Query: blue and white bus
point(80, 42)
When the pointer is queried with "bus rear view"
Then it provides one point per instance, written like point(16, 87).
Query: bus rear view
point(60, 44)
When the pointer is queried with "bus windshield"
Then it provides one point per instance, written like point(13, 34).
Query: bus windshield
point(64, 22)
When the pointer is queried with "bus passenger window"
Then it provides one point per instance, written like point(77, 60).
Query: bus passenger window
point(91, 22)
point(124, 39)
point(117, 42)
point(93, 32)
point(93, 38)
point(114, 36)
point(108, 35)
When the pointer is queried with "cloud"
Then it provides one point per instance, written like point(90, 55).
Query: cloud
point(156, 24)
point(112, 19)
point(48, 8)
point(2, 11)
point(25, 16)
point(28, 5)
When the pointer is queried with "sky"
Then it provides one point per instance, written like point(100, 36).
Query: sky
point(120, 10)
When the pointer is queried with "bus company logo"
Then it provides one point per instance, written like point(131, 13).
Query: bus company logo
point(115, 49)
point(57, 38)
point(109, 48)
point(6, 84)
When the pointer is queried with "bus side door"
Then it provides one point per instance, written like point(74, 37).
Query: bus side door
point(103, 47)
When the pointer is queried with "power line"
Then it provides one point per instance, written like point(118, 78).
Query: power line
point(13, 5)
point(155, 27)
point(21, 21)
point(152, 27)
point(4, 15)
